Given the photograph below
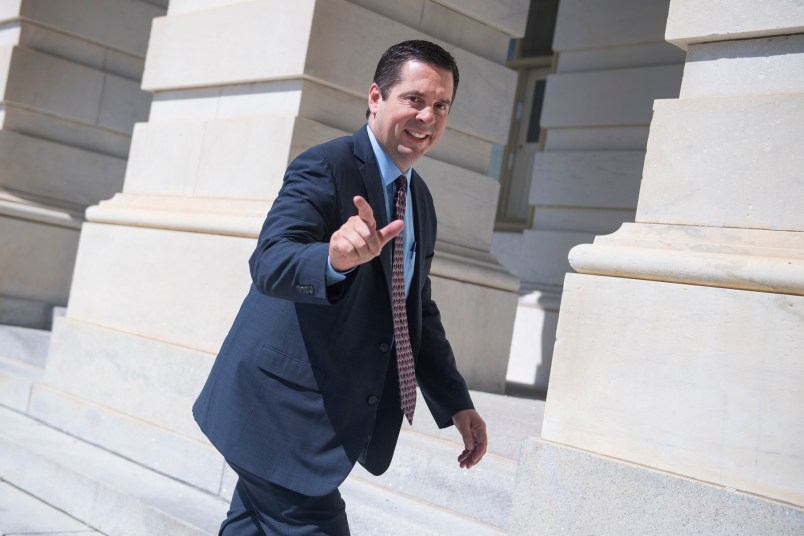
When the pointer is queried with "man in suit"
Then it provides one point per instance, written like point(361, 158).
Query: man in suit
point(311, 378)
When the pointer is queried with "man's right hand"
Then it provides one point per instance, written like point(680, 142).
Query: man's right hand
point(358, 240)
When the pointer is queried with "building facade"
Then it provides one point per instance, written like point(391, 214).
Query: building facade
point(666, 133)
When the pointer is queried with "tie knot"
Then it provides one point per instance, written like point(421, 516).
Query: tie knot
point(401, 183)
point(399, 197)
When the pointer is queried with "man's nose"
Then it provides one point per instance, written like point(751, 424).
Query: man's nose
point(426, 115)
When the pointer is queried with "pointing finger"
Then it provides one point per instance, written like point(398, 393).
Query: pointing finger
point(364, 211)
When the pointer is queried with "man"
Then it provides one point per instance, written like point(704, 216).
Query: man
point(317, 370)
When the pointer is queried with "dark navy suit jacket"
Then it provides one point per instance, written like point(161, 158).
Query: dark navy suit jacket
point(305, 383)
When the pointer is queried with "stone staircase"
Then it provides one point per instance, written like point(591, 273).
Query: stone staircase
point(423, 493)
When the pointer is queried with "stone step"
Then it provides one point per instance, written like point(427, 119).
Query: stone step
point(121, 498)
point(510, 421)
point(427, 468)
point(373, 510)
point(111, 494)
point(118, 497)
point(24, 344)
point(23, 354)
point(425, 462)
point(16, 380)
point(22, 514)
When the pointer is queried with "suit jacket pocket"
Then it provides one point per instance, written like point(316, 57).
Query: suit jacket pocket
point(290, 370)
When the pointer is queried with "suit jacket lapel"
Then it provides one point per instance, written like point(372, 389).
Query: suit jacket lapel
point(370, 173)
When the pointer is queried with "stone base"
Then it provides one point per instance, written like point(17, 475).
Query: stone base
point(38, 253)
point(563, 491)
point(478, 321)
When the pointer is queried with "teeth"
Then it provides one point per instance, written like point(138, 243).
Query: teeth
point(416, 135)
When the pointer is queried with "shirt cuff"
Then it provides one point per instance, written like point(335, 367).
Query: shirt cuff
point(334, 277)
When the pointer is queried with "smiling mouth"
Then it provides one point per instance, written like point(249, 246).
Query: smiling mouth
point(416, 135)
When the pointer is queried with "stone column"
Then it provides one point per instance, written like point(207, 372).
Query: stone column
point(611, 63)
point(69, 83)
point(240, 88)
point(675, 401)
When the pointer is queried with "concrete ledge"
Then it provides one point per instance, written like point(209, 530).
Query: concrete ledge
point(565, 491)
point(745, 259)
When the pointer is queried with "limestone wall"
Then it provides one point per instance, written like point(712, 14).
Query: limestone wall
point(69, 84)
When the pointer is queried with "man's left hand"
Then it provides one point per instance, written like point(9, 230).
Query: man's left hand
point(473, 431)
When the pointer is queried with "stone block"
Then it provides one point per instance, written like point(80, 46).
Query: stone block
point(122, 104)
point(112, 256)
point(711, 394)
point(478, 322)
point(583, 25)
point(74, 48)
point(64, 131)
point(245, 158)
point(164, 158)
point(607, 98)
point(78, 90)
point(562, 491)
point(125, 375)
point(169, 453)
point(723, 163)
point(741, 68)
point(37, 260)
point(455, 27)
point(75, 91)
point(216, 46)
point(613, 138)
point(231, 101)
point(465, 202)
point(604, 179)
point(509, 16)
point(63, 87)
point(233, 158)
point(689, 21)
point(619, 57)
point(70, 174)
point(224, 59)
point(123, 25)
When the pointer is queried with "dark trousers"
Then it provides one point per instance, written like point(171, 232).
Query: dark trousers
point(260, 508)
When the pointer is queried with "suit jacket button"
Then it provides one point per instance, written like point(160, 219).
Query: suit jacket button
point(384, 347)
point(372, 400)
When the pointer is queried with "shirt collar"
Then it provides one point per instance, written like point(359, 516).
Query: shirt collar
point(388, 170)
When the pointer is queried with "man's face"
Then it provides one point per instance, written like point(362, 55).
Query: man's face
point(412, 119)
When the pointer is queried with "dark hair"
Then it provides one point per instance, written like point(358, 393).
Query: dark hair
point(391, 62)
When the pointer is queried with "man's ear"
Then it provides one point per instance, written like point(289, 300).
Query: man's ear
point(374, 96)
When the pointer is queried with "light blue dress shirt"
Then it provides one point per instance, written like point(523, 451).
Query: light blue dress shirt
point(389, 172)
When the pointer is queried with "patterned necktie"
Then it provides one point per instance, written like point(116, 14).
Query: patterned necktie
point(404, 353)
